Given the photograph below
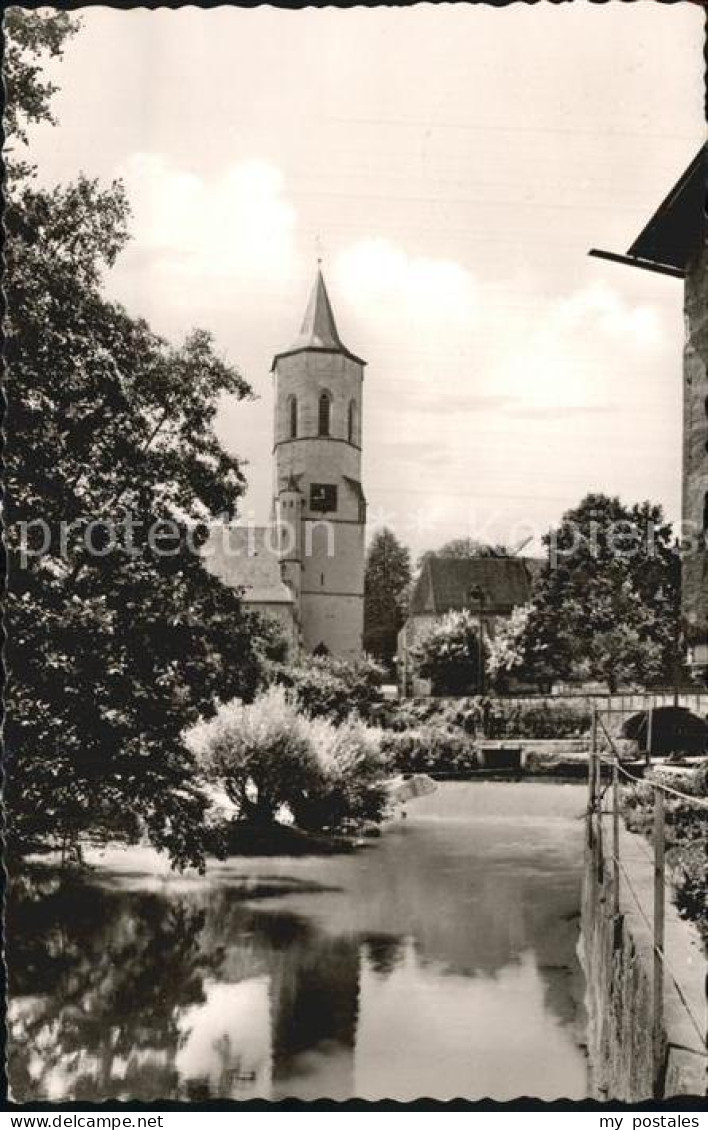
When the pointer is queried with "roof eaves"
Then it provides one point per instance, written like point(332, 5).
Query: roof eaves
point(342, 351)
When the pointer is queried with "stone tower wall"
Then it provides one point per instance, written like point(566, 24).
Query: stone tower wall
point(332, 574)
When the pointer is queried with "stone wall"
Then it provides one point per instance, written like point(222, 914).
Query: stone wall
point(695, 455)
point(617, 955)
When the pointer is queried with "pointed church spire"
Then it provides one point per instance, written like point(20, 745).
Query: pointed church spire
point(319, 329)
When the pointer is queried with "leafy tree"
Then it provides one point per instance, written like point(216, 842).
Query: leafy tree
point(468, 547)
point(386, 579)
point(119, 638)
point(449, 654)
point(30, 36)
point(327, 687)
point(607, 606)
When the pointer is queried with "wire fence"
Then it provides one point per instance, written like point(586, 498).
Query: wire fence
point(655, 916)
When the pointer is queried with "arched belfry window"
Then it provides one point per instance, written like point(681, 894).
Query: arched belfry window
point(324, 416)
point(292, 417)
point(351, 422)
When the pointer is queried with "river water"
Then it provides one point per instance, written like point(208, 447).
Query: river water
point(439, 961)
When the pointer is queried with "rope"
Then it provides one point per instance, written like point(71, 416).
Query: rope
point(700, 803)
point(703, 1040)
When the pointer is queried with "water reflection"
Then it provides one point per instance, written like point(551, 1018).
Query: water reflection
point(439, 962)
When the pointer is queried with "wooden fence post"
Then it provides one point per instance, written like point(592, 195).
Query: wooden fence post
point(592, 771)
point(615, 837)
point(598, 809)
point(650, 735)
point(659, 917)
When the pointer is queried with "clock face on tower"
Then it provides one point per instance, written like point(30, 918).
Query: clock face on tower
point(323, 497)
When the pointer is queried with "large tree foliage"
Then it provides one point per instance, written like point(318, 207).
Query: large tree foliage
point(386, 580)
point(607, 605)
point(30, 37)
point(118, 636)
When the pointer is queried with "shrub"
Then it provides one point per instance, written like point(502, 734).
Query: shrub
point(428, 749)
point(494, 717)
point(332, 688)
point(255, 751)
point(267, 755)
point(347, 788)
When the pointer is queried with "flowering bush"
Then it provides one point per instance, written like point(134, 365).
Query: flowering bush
point(506, 649)
point(449, 654)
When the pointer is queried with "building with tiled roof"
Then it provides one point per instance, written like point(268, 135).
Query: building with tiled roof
point(490, 586)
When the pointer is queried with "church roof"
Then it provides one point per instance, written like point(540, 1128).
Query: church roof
point(244, 557)
point(676, 230)
point(445, 582)
point(319, 330)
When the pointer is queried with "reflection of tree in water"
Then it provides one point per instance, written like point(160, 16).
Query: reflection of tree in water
point(313, 975)
point(383, 953)
point(100, 982)
point(107, 975)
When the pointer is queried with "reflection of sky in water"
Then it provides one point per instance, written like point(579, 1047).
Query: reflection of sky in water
point(494, 1033)
point(439, 961)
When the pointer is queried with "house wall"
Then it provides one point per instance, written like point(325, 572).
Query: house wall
point(695, 460)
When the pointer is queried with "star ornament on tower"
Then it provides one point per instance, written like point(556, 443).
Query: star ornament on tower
point(379, 516)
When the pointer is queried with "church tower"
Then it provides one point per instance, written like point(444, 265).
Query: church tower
point(319, 500)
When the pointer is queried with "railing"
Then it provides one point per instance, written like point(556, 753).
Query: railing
point(620, 875)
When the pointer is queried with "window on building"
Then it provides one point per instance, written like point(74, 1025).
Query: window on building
point(323, 497)
point(325, 414)
point(351, 422)
point(292, 417)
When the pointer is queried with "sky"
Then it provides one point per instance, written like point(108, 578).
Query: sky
point(452, 165)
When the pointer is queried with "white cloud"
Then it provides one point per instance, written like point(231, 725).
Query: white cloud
point(494, 403)
point(434, 327)
point(239, 224)
point(570, 354)
point(437, 290)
